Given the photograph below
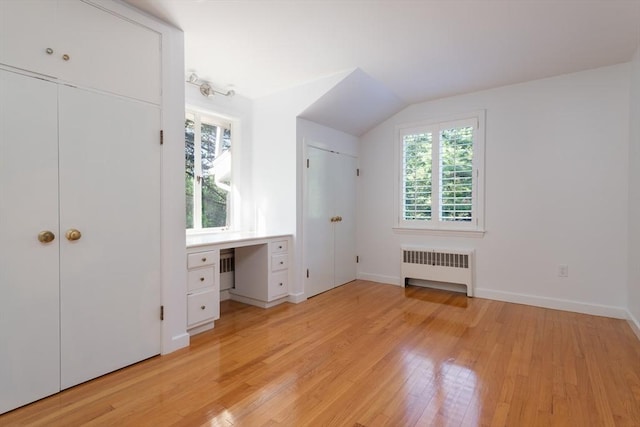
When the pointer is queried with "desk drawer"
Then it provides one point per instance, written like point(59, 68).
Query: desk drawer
point(203, 306)
point(278, 285)
point(279, 246)
point(200, 259)
point(279, 262)
point(200, 278)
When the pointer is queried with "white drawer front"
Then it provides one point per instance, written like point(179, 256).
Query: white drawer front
point(200, 259)
point(200, 278)
point(278, 285)
point(279, 262)
point(203, 306)
point(279, 246)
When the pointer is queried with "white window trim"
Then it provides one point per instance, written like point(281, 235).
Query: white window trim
point(220, 122)
point(475, 228)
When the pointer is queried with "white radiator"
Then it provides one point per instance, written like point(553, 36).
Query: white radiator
point(439, 265)
point(226, 269)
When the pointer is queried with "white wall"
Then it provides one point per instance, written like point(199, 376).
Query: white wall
point(275, 153)
point(310, 133)
point(239, 111)
point(634, 197)
point(556, 192)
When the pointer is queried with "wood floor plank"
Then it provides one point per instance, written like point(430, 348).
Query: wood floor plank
point(366, 355)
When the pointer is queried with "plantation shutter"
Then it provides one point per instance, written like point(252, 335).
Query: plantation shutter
point(456, 182)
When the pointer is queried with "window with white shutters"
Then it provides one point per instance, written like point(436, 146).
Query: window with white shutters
point(440, 175)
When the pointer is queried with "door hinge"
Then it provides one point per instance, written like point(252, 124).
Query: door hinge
point(307, 163)
point(307, 273)
point(161, 137)
point(162, 312)
point(358, 172)
point(357, 259)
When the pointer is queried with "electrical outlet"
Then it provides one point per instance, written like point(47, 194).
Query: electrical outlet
point(563, 270)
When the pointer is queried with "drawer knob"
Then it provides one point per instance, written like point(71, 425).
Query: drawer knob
point(204, 259)
point(280, 283)
point(49, 51)
point(279, 247)
point(202, 307)
point(202, 279)
point(281, 262)
point(66, 57)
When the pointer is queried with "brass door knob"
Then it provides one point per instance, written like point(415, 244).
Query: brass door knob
point(46, 236)
point(72, 234)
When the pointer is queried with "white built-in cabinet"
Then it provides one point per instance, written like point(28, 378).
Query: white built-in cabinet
point(330, 228)
point(262, 273)
point(80, 281)
point(76, 42)
point(203, 289)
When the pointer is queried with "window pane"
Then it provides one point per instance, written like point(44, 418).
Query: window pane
point(456, 169)
point(189, 157)
point(417, 167)
point(215, 175)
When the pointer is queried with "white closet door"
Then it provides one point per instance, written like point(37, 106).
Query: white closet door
point(330, 247)
point(114, 54)
point(27, 29)
point(29, 292)
point(344, 174)
point(110, 192)
point(318, 236)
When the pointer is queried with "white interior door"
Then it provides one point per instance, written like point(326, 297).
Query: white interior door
point(329, 246)
point(344, 174)
point(29, 292)
point(110, 192)
point(318, 236)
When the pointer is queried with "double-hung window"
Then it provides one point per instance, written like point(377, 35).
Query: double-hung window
point(207, 171)
point(440, 175)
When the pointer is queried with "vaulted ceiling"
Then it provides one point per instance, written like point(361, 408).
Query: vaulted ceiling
point(419, 50)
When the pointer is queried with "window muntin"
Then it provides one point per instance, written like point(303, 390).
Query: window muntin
point(440, 179)
point(207, 172)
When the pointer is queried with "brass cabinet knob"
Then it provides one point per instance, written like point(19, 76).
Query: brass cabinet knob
point(339, 218)
point(66, 57)
point(202, 279)
point(49, 51)
point(46, 236)
point(73, 234)
point(204, 259)
point(202, 307)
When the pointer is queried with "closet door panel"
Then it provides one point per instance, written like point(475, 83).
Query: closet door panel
point(109, 53)
point(318, 236)
point(110, 193)
point(343, 171)
point(29, 292)
point(27, 29)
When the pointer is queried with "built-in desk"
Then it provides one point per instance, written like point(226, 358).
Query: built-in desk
point(262, 273)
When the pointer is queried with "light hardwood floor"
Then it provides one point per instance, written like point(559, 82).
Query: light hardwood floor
point(367, 354)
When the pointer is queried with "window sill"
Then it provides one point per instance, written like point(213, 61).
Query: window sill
point(440, 232)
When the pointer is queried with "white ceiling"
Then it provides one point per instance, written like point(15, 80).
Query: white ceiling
point(418, 50)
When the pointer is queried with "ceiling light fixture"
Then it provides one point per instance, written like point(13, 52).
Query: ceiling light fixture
point(205, 87)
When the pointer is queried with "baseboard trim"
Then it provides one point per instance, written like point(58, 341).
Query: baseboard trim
point(177, 342)
point(389, 280)
point(554, 303)
point(297, 298)
point(634, 324)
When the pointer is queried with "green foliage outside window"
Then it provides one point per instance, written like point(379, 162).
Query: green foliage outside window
point(214, 210)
